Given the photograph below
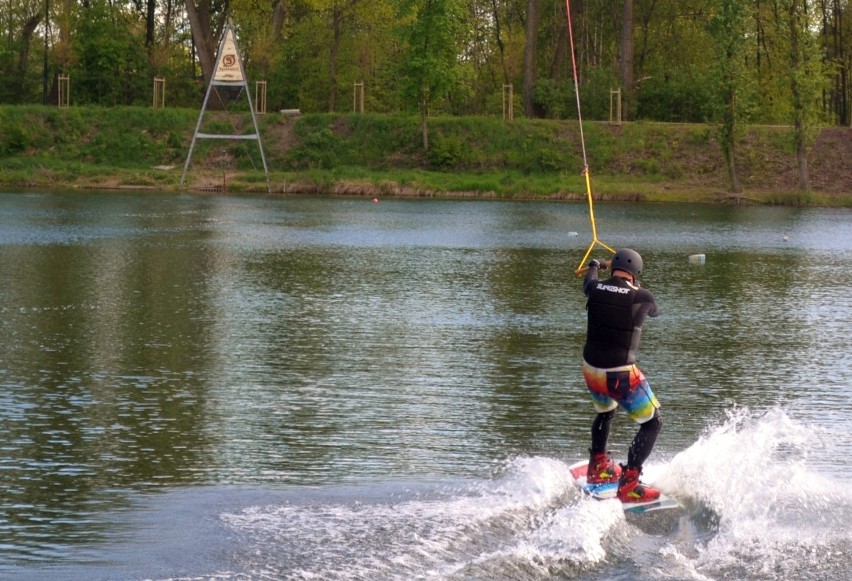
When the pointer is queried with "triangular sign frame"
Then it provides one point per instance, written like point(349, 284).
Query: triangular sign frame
point(228, 72)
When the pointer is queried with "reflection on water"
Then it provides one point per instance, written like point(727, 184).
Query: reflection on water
point(156, 342)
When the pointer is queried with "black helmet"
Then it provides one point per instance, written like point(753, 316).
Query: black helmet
point(628, 260)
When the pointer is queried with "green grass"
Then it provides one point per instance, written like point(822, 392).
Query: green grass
point(129, 146)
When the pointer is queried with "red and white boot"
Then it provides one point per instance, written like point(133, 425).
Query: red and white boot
point(631, 490)
point(601, 469)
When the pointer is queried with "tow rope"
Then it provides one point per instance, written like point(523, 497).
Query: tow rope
point(581, 269)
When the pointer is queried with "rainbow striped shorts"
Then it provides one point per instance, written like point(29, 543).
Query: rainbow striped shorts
point(623, 386)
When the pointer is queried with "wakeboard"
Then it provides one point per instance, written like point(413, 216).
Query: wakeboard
point(607, 491)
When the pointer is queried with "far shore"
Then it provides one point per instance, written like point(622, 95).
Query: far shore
point(605, 188)
point(378, 155)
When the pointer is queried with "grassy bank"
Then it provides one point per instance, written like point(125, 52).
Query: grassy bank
point(45, 147)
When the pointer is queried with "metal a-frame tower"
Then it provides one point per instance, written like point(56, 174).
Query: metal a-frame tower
point(228, 72)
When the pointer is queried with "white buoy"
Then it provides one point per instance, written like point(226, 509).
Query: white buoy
point(697, 259)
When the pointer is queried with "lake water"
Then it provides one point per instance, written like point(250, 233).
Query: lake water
point(237, 388)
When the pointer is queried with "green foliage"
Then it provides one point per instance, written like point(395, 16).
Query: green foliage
point(557, 98)
point(126, 137)
point(13, 139)
point(110, 61)
point(649, 166)
point(433, 33)
point(67, 126)
point(730, 75)
point(47, 146)
point(318, 144)
point(806, 73)
point(380, 137)
point(678, 99)
point(22, 129)
point(548, 159)
point(450, 57)
point(446, 152)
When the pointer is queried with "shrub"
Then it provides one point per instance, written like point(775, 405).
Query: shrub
point(446, 151)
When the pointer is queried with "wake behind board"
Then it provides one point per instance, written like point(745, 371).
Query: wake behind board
point(607, 491)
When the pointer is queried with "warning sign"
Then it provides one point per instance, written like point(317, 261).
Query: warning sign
point(229, 69)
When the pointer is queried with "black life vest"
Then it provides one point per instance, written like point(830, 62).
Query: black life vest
point(616, 313)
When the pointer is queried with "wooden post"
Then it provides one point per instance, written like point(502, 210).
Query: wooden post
point(615, 95)
point(64, 90)
point(508, 103)
point(260, 97)
point(358, 97)
point(159, 101)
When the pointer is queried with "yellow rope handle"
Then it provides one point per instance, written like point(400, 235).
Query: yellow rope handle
point(595, 242)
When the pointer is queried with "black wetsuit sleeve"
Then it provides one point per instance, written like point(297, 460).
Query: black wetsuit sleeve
point(644, 306)
point(590, 279)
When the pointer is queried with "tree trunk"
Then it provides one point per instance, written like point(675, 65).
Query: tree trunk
point(278, 19)
point(424, 124)
point(626, 71)
point(24, 53)
point(560, 54)
point(498, 37)
point(533, 18)
point(796, 17)
point(334, 49)
point(26, 38)
point(202, 36)
point(729, 140)
point(801, 156)
point(150, 21)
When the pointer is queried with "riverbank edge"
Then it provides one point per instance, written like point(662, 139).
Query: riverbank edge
point(375, 155)
point(604, 189)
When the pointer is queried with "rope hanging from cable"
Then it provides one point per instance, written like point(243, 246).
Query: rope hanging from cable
point(595, 242)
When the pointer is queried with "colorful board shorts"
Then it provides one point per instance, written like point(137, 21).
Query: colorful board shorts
point(623, 386)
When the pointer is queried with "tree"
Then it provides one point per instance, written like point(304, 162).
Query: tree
point(207, 20)
point(150, 23)
point(676, 60)
point(259, 26)
point(18, 26)
point(806, 80)
point(431, 66)
point(728, 30)
point(109, 65)
point(530, 53)
point(325, 29)
point(626, 57)
point(835, 35)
